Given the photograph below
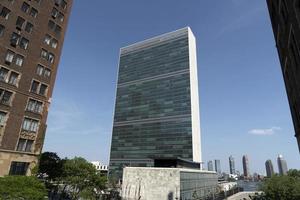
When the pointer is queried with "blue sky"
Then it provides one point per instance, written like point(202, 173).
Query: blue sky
point(243, 103)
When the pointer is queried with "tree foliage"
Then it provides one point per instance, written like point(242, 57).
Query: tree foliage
point(82, 179)
point(285, 187)
point(50, 164)
point(22, 187)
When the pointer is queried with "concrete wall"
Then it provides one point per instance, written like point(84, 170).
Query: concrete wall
point(150, 183)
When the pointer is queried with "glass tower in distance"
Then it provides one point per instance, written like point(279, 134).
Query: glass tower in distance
point(157, 107)
point(231, 165)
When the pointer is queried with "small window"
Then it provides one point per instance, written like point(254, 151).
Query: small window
point(3, 118)
point(54, 13)
point(47, 39)
point(51, 25)
point(47, 73)
point(60, 17)
point(34, 87)
point(40, 70)
point(18, 168)
point(20, 22)
point(24, 145)
point(1, 30)
point(5, 97)
point(24, 43)
point(33, 12)
point(57, 30)
point(14, 40)
point(13, 78)
point(43, 89)
point(44, 54)
point(63, 4)
point(9, 57)
point(5, 12)
point(19, 60)
point(51, 57)
point(3, 74)
point(28, 27)
point(25, 7)
point(54, 43)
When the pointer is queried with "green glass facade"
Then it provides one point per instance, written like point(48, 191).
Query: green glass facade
point(152, 116)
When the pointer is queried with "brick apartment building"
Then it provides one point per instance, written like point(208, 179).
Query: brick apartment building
point(285, 18)
point(31, 39)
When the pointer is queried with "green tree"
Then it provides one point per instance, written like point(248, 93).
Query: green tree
point(81, 179)
point(50, 164)
point(285, 187)
point(22, 187)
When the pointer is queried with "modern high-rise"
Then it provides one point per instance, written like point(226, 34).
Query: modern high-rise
point(218, 166)
point(285, 18)
point(210, 166)
point(231, 165)
point(246, 166)
point(282, 165)
point(157, 108)
point(269, 168)
point(31, 39)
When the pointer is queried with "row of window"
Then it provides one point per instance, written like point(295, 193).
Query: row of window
point(48, 56)
point(54, 27)
point(20, 23)
point(29, 10)
point(39, 88)
point(61, 3)
point(52, 42)
point(9, 76)
point(57, 15)
point(17, 40)
point(12, 57)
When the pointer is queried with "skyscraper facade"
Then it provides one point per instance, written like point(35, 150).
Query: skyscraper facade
point(31, 40)
point(246, 166)
point(285, 18)
point(231, 165)
point(269, 168)
point(218, 166)
point(210, 166)
point(282, 165)
point(157, 109)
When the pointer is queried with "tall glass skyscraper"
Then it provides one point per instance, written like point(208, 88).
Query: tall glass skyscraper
point(282, 165)
point(157, 108)
point(231, 165)
point(218, 166)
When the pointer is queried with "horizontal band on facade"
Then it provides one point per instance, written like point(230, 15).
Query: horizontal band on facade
point(157, 77)
point(154, 120)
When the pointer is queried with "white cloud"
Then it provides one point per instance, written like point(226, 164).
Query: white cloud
point(267, 131)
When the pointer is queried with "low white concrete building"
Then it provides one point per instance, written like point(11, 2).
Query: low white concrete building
point(146, 183)
point(99, 167)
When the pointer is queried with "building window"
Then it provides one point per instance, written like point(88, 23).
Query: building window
point(43, 71)
point(54, 27)
point(19, 60)
point(47, 56)
point(33, 12)
point(18, 168)
point(5, 12)
point(39, 88)
point(60, 17)
point(25, 7)
point(20, 22)
point(24, 43)
point(34, 106)
point(54, 13)
point(14, 39)
point(28, 27)
point(3, 118)
point(5, 97)
point(30, 125)
point(1, 30)
point(50, 41)
point(24, 145)
point(9, 57)
point(8, 76)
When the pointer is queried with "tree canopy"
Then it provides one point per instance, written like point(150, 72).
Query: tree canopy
point(22, 187)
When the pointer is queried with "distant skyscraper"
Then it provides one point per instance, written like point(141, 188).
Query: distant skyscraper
point(282, 166)
point(269, 168)
point(157, 108)
point(284, 16)
point(246, 166)
point(231, 165)
point(218, 166)
point(210, 166)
